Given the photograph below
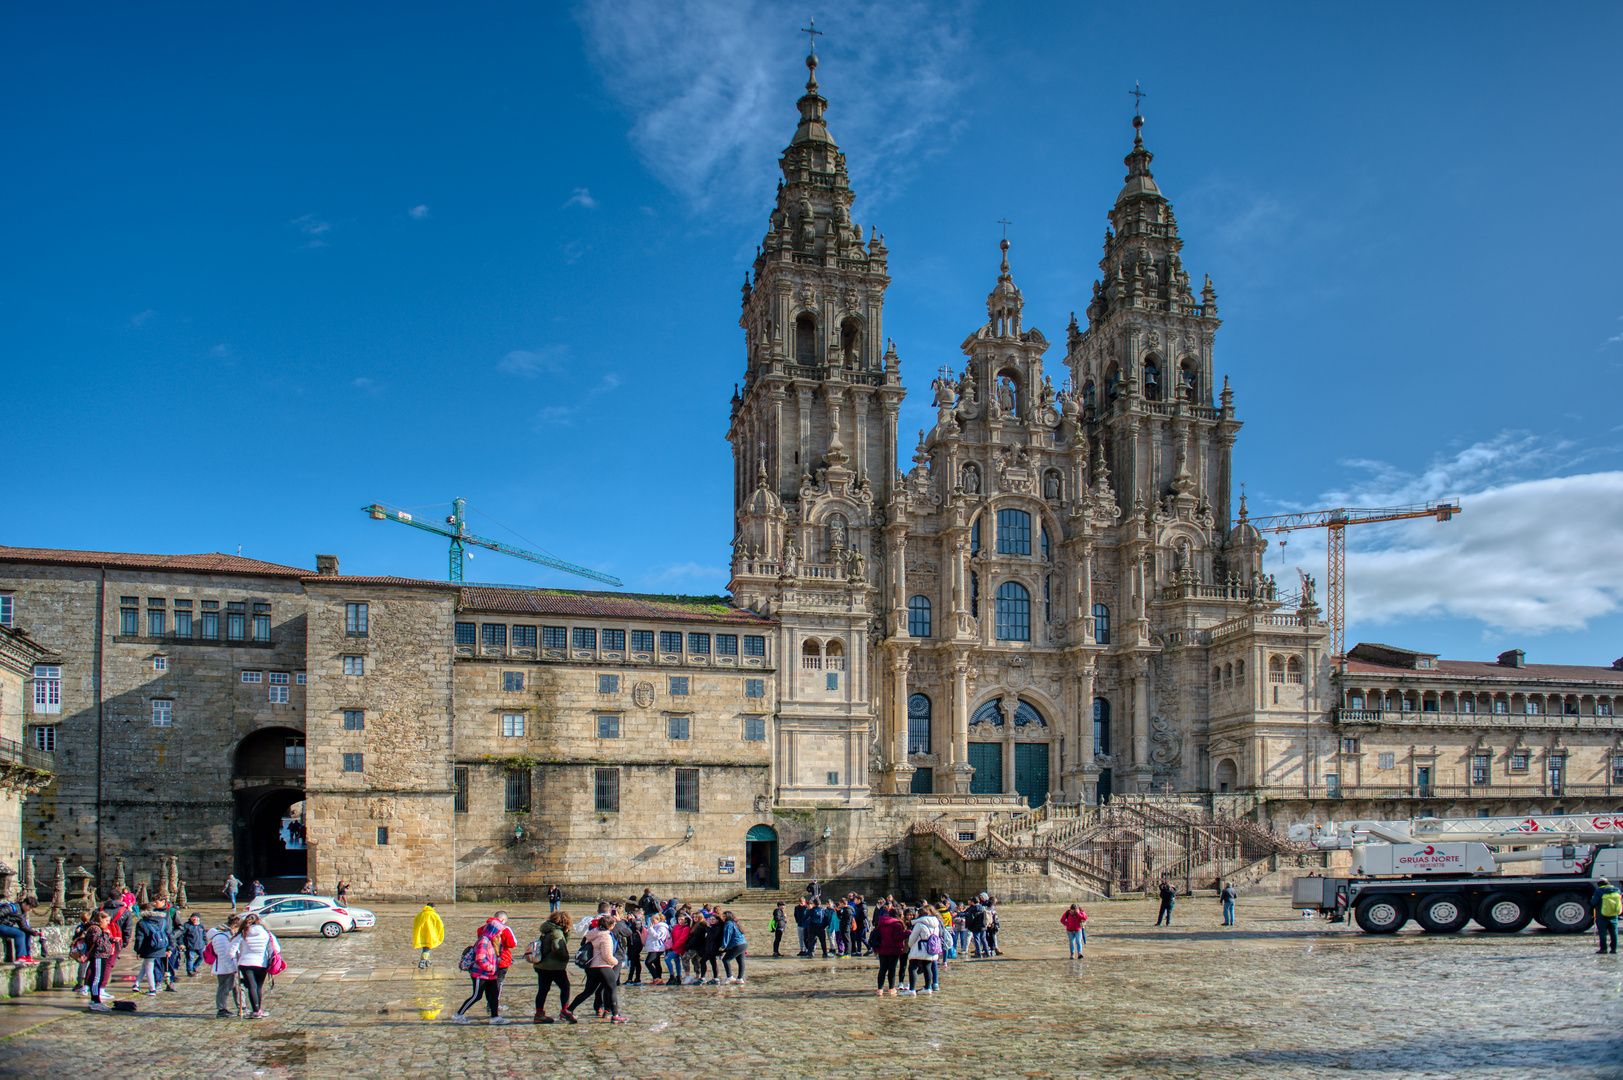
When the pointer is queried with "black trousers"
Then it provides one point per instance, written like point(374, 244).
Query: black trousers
point(489, 989)
point(545, 981)
point(777, 939)
point(600, 981)
point(888, 966)
point(732, 954)
point(1164, 913)
point(656, 964)
point(816, 938)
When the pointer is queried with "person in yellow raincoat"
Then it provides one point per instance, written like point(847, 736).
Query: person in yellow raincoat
point(427, 932)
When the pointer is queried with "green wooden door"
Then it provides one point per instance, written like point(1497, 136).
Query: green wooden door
point(1031, 772)
point(987, 758)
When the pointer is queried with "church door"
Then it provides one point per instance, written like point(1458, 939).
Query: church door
point(1031, 772)
point(987, 758)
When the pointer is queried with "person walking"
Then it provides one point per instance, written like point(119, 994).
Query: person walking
point(100, 952)
point(1168, 896)
point(193, 939)
point(505, 943)
point(656, 938)
point(343, 892)
point(555, 896)
point(733, 946)
point(549, 956)
point(232, 886)
point(890, 944)
point(222, 940)
point(1607, 903)
point(427, 934)
point(680, 930)
point(1228, 894)
point(483, 967)
point(152, 943)
point(256, 948)
point(630, 931)
point(1074, 921)
point(779, 916)
point(601, 972)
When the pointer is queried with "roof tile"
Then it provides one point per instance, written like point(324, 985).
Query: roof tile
point(213, 562)
point(606, 605)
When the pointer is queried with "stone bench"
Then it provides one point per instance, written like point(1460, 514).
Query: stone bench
point(51, 973)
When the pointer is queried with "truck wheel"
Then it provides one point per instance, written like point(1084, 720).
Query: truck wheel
point(1504, 913)
point(1566, 913)
point(1442, 913)
point(1382, 914)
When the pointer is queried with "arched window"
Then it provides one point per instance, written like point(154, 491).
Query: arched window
point(1043, 537)
point(805, 340)
point(1025, 714)
point(1152, 380)
point(1217, 678)
point(811, 655)
point(1228, 674)
point(1101, 726)
point(1190, 380)
point(990, 712)
point(1112, 384)
point(918, 724)
point(851, 343)
point(918, 616)
point(975, 537)
point(1088, 396)
point(1013, 532)
point(1101, 624)
point(1013, 612)
point(1228, 777)
point(974, 595)
point(834, 655)
point(1276, 669)
point(1239, 673)
point(1048, 598)
point(1293, 670)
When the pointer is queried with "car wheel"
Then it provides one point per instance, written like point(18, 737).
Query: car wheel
point(1566, 913)
point(1442, 913)
point(1504, 913)
point(1382, 914)
point(331, 929)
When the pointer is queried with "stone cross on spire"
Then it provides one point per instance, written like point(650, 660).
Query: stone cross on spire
point(812, 34)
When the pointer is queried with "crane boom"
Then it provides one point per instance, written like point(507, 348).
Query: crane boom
point(1336, 521)
point(456, 529)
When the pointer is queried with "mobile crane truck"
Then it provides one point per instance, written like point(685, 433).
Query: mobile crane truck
point(1444, 872)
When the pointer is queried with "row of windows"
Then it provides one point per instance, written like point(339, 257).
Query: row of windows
point(605, 790)
point(677, 726)
point(497, 635)
point(1468, 703)
point(1517, 761)
point(676, 685)
point(203, 623)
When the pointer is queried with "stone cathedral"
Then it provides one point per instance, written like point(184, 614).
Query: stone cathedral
point(1025, 608)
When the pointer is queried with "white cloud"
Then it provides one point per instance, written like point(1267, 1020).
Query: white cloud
point(1613, 340)
point(581, 198)
point(142, 318)
point(314, 228)
point(362, 383)
point(556, 416)
point(530, 363)
point(710, 87)
point(418, 212)
point(221, 351)
point(714, 576)
point(1530, 551)
point(606, 383)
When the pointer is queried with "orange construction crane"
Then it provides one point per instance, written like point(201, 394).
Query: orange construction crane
point(1337, 521)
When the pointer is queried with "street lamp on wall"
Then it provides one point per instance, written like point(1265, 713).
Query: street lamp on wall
point(827, 832)
point(689, 834)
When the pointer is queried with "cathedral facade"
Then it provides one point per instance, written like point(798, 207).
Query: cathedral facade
point(1036, 604)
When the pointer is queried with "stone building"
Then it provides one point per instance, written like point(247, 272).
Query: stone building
point(29, 684)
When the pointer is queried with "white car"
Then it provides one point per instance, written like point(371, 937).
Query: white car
point(302, 914)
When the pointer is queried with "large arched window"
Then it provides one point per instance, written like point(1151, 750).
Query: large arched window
point(811, 655)
point(1293, 670)
point(805, 340)
point(1239, 673)
point(1101, 726)
point(974, 595)
point(1013, 532)
point(1190, 380)
point(975, 537)
point(1152, 380)
point(1043, 546)
point(918, 616)
point(1112, 384)
point(1088, 395)
point(918, 724)
point(851, 343)
point(1013, 612)
point(991, 712)
point(1217, 678)
point(1276, 668)
point(1101, 624)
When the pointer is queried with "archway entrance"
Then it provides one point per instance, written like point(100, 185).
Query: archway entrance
point(269, 786)
point(761, 857)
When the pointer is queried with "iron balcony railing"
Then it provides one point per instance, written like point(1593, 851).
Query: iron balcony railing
point(16, 753)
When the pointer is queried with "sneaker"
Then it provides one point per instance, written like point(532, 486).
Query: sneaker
point(567, 1016)
point(657, 982)
point(458, 1018)
point(713, 981)
point(618, 1019)
point(905, 992)
point(927, 990)
point(545, 1019)
point(894, 991)
point(258, 1014)
point(96, 1006)
point(170, 988)
point(223, 1015)
point(85, 990)
point(500, 1020)
point(880, 991)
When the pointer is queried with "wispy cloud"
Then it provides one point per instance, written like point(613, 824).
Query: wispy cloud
point(142, 318)
point(221, 351)
point(364, 383)
point(531, 363)
point(1530, 551)
point(710, 87)
point(556, 416)
point(581, 198)
point(312, 227)
point(418, 212)
point(607, 383)
point(713, 577)
point(1613, 340)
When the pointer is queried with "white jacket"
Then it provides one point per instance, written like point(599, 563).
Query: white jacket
point(254, 948)
point(657, 938)
point(225, 950)
point(918, 942)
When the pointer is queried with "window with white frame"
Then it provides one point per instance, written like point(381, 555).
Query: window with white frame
point(354, 665)
point(1386, 761)
point(299, 679)
point(45, 739)
point(160, 663)
point(8, 609)
point(253, 676)
point(278, 690)
point(279, 678)
point(47, 688)
point(356, 622)
point(163, 713)
point(513, 725)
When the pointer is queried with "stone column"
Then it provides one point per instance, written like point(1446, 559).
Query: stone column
point(1087, 784)
point(962, 772)
point(1084, 594)
point(1141, 723)
point(1011, 705)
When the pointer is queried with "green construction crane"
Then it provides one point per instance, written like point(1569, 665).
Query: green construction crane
point(456, 528)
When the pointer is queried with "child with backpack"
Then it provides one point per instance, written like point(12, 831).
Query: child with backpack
point(481, 961)
point(549, 956)
point(152, 944)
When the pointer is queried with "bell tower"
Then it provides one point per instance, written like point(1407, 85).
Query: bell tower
point(813, 432)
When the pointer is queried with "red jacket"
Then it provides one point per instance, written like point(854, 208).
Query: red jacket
point(1073, 920)
point(506, 942)
point(892, 936)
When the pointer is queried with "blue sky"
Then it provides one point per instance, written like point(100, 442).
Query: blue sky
point(267, 263)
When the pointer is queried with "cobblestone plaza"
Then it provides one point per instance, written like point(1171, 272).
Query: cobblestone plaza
point(1273, 997)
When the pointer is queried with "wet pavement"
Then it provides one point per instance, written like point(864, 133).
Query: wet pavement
point(1271, 997)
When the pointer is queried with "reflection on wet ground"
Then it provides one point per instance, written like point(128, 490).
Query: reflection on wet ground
point(1271, 997)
